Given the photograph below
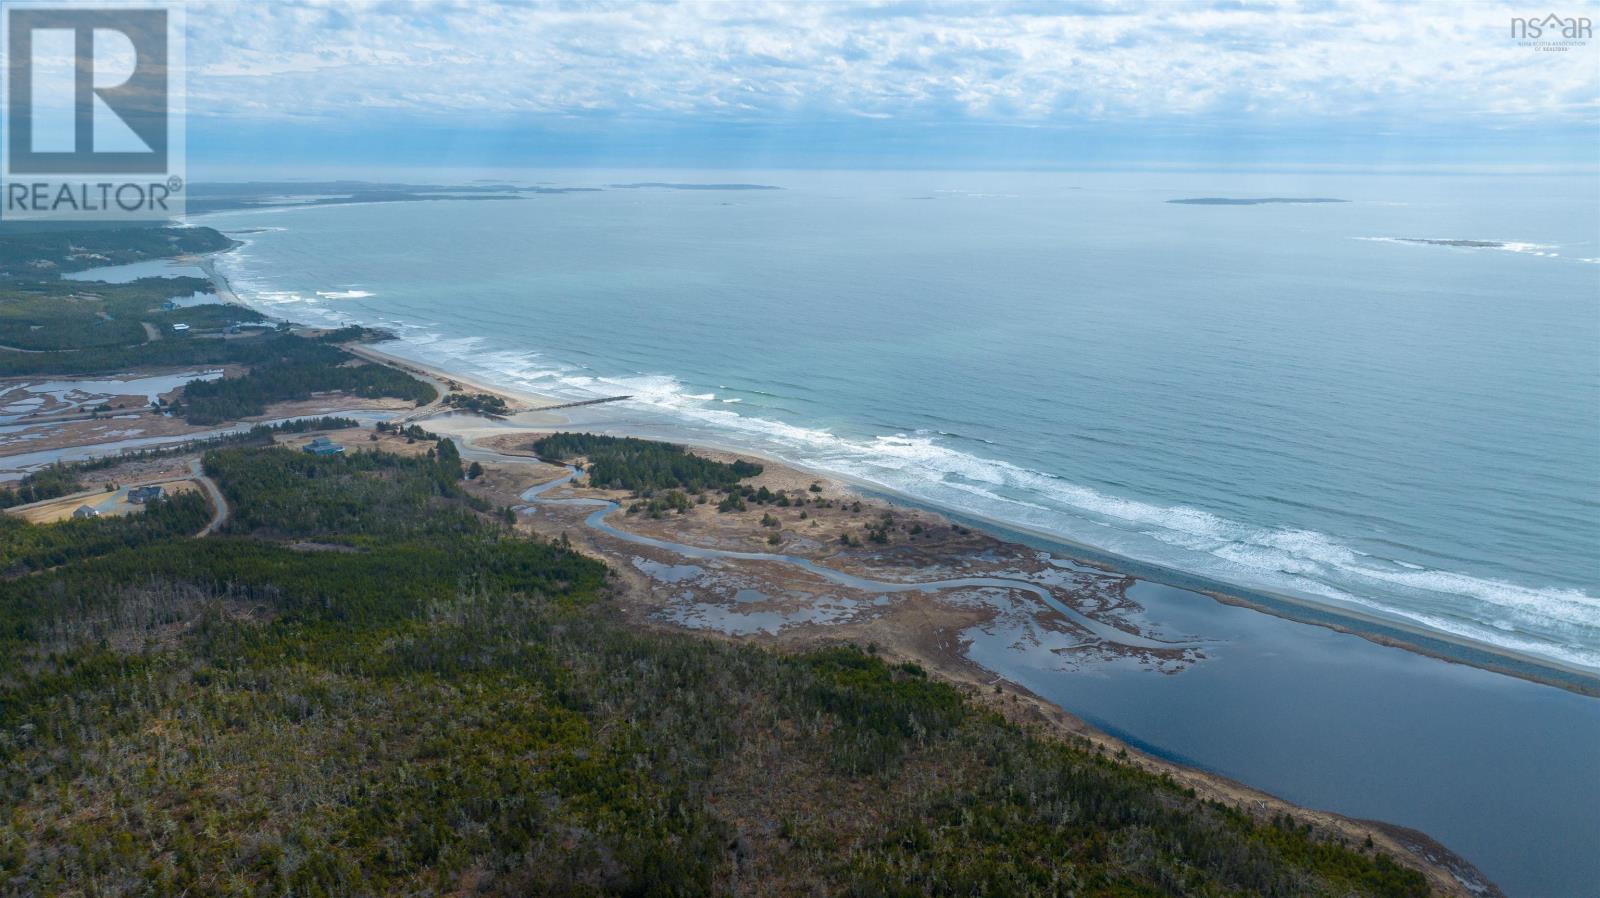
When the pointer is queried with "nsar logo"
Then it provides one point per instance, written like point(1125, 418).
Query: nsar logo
point(1552, 32)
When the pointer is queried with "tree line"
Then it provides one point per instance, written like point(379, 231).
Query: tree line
point(628, 463)
point(392, 691)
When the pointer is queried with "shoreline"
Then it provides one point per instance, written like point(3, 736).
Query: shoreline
point(1022, 703)
point(1375, 628)
point(913, 640)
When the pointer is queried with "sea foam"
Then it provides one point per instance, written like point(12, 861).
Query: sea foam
point(1553, 622)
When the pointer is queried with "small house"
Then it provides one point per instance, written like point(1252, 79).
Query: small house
point(85, 511)
point(140, 495)
point(180, 326)
point(169, 305)
point(323, 446)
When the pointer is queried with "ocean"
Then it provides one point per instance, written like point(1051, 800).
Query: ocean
point(1290, 397)
point(1294, 398)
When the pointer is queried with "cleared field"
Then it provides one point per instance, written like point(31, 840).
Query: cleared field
point(105, 503)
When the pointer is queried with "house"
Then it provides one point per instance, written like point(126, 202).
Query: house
point(180, 326)
point(139, 495)
point(169, 305)
point(85, 511)
point(323, 446)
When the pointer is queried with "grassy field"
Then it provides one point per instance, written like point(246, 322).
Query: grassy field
point(106, 504)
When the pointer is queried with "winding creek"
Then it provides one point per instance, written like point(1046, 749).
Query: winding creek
point(1496, 768)
point(603, 507)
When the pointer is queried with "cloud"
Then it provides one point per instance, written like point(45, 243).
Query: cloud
point(1173, 65)
point(1014, 61)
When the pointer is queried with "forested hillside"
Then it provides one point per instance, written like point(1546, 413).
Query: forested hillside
point(369, 686)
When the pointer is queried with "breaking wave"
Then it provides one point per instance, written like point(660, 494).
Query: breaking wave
point(1560, 624)
point(1553, 622)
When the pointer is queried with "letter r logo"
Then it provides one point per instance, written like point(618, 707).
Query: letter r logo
point(87, 91)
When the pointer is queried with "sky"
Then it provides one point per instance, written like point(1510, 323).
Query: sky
point(331, 86)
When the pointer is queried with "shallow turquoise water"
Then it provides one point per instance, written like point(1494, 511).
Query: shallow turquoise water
point(1276, 396)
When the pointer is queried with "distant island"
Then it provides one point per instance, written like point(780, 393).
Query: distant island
point(559, 189)
point(664, 185)
point(224, 197)
point(1476, 244)
point(400, 196)
point(1253, 201)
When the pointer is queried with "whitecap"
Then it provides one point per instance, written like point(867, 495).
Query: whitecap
point(1556, 622)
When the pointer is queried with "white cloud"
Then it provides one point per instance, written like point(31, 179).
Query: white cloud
point(990, 62)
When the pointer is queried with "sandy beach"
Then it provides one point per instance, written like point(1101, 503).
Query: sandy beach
point(1380, 629)
point(774, 604)
point(869, 448)
point(924, 628)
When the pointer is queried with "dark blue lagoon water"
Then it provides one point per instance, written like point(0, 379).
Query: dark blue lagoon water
point(1291, 398)
point(1501, 771)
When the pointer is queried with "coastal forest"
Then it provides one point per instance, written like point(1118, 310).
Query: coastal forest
point(628, 463)
point(41, 312)
point(36, 248)
point(371, 683)
point(50, 326)
point(287, 367)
